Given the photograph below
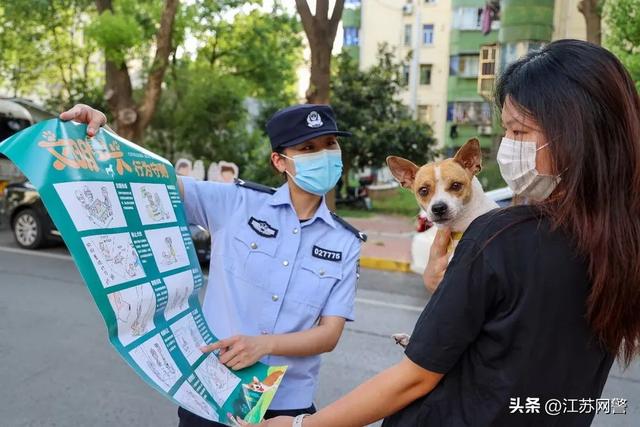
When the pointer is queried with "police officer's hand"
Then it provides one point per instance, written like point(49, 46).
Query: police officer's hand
point(438, 260)
point(84, 114)
point(240, 351)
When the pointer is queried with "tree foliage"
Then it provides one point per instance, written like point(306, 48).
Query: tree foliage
point(45, 52)
point(623, 33)
point(223, 57)
point(216, 99)
point(367, 104)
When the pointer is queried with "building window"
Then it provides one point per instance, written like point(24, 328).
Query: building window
point(425, 113)
point(407, 35)
point(465, 66)
point(427, 34)
point(405, 74)
point(474, 113)
point(351, 36)
point(467, 18)
point(425, 74)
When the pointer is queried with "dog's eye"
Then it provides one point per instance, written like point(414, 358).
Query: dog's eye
point(456, 186)
point(423, 191)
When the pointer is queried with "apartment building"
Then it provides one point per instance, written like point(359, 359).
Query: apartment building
point(456, 52)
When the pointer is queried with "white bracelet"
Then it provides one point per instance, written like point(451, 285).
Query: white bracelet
point(297, 421)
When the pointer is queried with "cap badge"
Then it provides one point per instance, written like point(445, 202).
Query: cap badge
point(314, 120)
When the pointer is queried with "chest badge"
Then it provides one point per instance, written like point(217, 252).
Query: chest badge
point(326, 254)
point(263, 228)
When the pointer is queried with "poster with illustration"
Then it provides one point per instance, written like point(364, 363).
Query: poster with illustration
point(119, 211)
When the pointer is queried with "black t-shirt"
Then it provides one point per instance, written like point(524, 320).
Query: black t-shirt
point(508, 321)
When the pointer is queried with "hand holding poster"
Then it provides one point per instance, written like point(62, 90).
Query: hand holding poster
point(118, 209)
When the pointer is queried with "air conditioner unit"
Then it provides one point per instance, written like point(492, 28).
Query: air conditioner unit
point(485, 130)
point(407, 9)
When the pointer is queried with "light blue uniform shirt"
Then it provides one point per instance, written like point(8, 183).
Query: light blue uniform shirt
point(271, 274)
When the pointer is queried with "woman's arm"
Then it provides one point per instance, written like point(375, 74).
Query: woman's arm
point(241, 351)
point(320, 339)
point(381, 396)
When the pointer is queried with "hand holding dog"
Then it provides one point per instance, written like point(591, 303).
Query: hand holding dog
point(240, 351)
point(438, 260)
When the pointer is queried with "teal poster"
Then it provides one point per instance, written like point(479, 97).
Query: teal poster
point(118, 209)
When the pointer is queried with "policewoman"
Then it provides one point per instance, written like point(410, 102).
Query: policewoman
point(283, 267)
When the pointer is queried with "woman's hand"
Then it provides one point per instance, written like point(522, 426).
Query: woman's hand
point(84, 114)
point(277, 422)
point(240, 351)
point(438, 260)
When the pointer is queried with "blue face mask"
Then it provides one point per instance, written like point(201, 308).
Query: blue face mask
point(317, 173)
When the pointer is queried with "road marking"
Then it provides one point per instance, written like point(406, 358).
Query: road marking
point(35, 253)
point(390, 305)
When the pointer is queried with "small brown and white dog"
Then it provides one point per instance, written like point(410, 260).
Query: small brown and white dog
point(448, 191)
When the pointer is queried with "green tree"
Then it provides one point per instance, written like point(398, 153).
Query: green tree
point(45, 53)
point(321, 33)
point(367, 104)
point(623, 33)
point(246, 64)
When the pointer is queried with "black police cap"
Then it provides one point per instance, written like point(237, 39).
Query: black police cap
point(299, 123)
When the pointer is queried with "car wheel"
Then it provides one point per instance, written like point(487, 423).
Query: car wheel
point(28, 229)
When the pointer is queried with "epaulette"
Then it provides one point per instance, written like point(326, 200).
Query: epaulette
point(359, 234)
point(253, 186)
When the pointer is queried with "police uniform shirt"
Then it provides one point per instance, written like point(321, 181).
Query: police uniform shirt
point(508, 321)
point(272, 274)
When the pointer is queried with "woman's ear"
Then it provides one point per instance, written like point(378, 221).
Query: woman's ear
point(278, 162)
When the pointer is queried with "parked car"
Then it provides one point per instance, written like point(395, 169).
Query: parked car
point(32, 227)
point(24, 211)
point(423, 239)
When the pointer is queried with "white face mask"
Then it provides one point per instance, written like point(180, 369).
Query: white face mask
point(517, 161)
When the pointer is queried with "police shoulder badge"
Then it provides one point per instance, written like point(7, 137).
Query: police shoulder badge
point(314, 120)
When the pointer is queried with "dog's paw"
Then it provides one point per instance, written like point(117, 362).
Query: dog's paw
point(401, 339)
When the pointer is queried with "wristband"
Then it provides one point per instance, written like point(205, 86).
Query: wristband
point(297, 421)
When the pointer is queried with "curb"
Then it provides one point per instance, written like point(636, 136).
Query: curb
point(385, 264)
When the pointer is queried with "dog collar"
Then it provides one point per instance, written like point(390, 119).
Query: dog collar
point(456, 235)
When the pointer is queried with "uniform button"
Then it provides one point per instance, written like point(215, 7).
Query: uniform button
point(274, 298)
point(321, 272)
point(285, 263)
point(295, 231)
point(253, 245)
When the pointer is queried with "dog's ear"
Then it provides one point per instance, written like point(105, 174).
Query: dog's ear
point(470, 156)
point(403, 170)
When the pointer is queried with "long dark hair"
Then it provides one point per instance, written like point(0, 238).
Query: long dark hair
point(589, 111)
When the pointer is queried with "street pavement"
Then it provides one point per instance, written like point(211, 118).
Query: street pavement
point(58, 369)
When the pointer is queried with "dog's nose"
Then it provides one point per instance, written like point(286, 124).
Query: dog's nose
point(439, 209)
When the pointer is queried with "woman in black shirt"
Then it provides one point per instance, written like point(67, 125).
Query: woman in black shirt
point(538, 299)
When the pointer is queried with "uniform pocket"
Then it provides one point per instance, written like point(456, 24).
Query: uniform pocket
point(254, 257)
point(314, 281)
